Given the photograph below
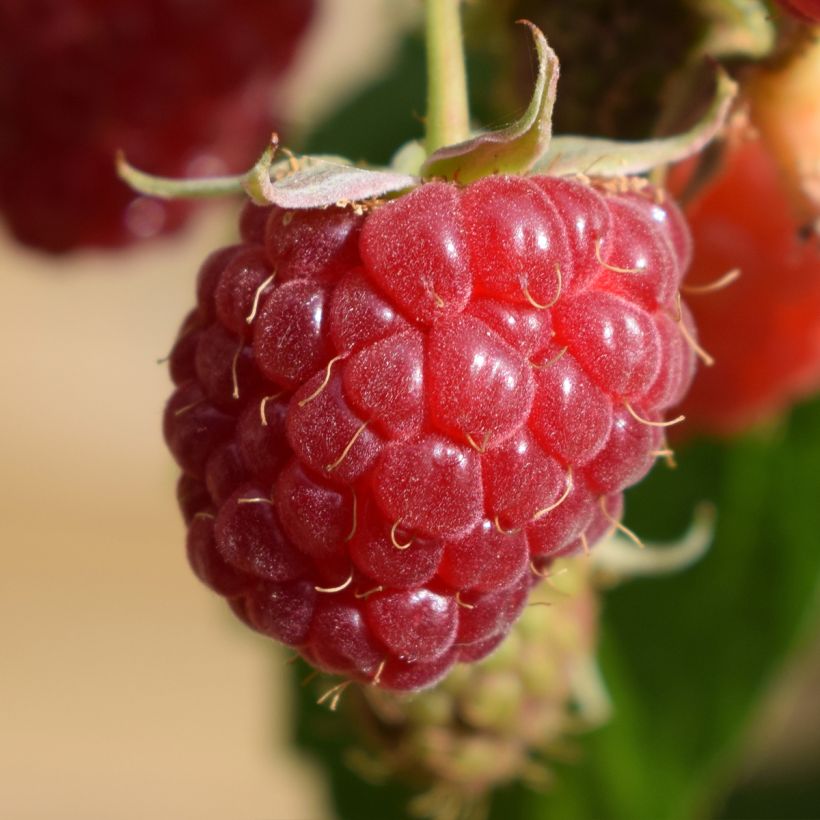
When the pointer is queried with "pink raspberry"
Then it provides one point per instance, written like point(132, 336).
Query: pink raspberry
point(391, 424)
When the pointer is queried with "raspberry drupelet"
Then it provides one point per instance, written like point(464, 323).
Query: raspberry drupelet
point(390, 423)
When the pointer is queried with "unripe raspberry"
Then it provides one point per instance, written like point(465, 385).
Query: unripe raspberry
point(495, 721)
point(399, 418)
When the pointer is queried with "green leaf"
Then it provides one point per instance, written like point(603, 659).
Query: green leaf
point(687, 658)
point(794, 799)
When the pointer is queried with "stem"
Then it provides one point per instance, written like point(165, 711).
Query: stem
point(448, 116)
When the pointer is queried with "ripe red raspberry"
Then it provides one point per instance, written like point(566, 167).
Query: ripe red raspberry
point(389, 424)
point(763, 330)
point(182, 87)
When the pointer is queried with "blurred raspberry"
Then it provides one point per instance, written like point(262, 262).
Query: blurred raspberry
point(764, 329)
point(806, 10)
point(184, 87)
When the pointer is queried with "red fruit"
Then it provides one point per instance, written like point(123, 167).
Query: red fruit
point(807, 10)
point(413, 624)
point(764, 329)
point(485, 559)
point(374, 555)
point(442, 391)
point(180, 87)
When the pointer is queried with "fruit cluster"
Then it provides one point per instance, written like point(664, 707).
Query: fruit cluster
point(182, 87)
point(391, 422)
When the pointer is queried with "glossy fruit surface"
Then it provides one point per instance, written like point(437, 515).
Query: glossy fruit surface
point(183, 87)
point(391, 423)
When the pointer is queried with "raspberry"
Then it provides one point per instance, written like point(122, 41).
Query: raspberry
point(392, 422)
point(806, 10)
point(181, 87)
point(763, 330)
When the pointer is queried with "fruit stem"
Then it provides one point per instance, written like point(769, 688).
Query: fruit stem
point(448, 116)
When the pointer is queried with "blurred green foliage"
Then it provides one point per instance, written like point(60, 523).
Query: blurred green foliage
point(390, 112)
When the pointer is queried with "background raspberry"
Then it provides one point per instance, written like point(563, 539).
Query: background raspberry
point(389, 424)
point(184, 87)
point(764, 329)
point(806, 10)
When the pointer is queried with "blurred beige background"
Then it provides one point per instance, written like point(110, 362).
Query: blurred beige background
point(127, 690)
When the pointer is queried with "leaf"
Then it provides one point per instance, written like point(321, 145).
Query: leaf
point(511, 150)
point(687, 658)
point(795, 799)
point(610, 158)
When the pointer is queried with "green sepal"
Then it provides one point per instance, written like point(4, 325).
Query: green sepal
point(292, 183)
point(619, 558)
point(319, 182)
point(609, 158)
point(169, 188)
point(512, 150)
point(736, 28)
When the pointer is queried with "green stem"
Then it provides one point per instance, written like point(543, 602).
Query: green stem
point(448, 116)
